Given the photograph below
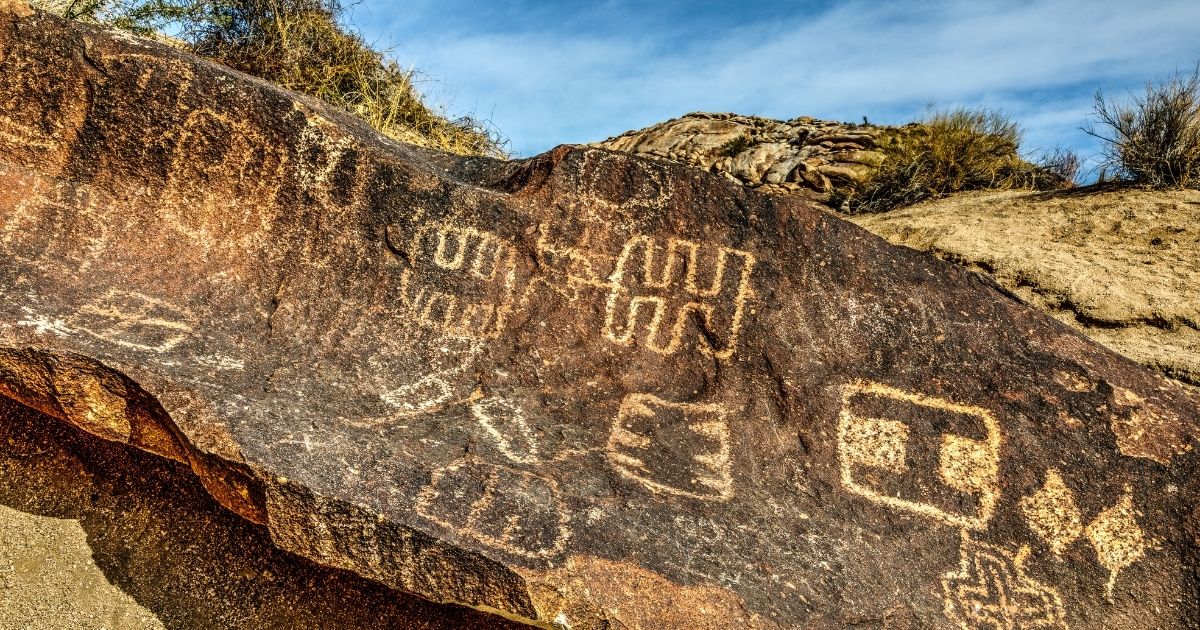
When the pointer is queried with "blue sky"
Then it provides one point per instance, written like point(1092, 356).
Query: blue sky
point(548, 73)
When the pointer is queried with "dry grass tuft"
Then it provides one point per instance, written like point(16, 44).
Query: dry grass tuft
point(302, 46)
point(949, 152)
point(1153, 139)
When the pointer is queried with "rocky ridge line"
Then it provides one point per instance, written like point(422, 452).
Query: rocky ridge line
point(803, 156)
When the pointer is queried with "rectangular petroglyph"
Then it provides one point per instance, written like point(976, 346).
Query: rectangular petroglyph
point(665, 294)
point(509, 510)
point(887, 439)
point(462, 282)
point(676, 448)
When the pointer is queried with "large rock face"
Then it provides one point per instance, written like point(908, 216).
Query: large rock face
point(584, 390)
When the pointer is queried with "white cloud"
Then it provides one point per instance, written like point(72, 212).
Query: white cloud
point(1039, 61)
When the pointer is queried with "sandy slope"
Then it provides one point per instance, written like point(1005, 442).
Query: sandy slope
point(1121, 265)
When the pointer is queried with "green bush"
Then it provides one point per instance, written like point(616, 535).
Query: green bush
point(735, 146)
point(302, 46)
point(1153, 139)
point(949, 152)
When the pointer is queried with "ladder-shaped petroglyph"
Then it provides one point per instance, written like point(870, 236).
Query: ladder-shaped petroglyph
point(990, 590)
point(223, 180)
point(666, 294)
point(462, 282)
point(1053, 513)
point(919, 454)
point(513, 511)
point(675, 448)
point(134, 321)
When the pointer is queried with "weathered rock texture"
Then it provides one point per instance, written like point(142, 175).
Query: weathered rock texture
point(1120, 264)
point(586, 389)
point(804, 156)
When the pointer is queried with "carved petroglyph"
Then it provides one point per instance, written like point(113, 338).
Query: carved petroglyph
point(660, 290)
point(990, 590)
point(509, 510)
point(462, 282)
point(320, 155)
point(505, 422)
point(133, 320)
point(880, 427)
point(222, 181)
point(1118, 539)
point(676, 448)
point(1053, 514)
point(42, 113)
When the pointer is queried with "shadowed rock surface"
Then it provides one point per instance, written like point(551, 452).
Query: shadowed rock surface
point(96, 535)
point(585, 389)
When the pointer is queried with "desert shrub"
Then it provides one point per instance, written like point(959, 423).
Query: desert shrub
point(302, 46)
point(948, 152)
point(735, 146)
point(1059, 168)
point(1152, 139)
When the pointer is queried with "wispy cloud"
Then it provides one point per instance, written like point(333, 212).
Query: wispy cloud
point(547, 74)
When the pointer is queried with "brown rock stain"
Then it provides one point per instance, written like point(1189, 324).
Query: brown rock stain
point(20, 8)
point(590, 592)
point(1147, 430)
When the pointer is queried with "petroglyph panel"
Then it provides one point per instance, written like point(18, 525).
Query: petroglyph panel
point(509, 510)
point(676, 448)
point(1053, 514)
point(990, 590)
point(223, 181)
point(133, 320)
point(668, 294)
point(462, 282)
point(884, 435)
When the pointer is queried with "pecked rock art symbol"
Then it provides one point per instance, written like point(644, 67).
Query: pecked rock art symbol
point(676, 448)
point(133, 320)
point(462, 281)
point(222, 181)
point(1053, 514)
point(919, 454)
point(513, 511)
point(504, 421)
point(990, 590)
point(661, 291)
point(41, 122)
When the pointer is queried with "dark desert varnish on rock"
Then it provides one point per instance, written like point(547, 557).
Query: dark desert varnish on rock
point(581, 390)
